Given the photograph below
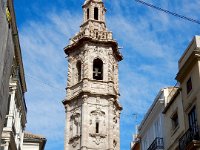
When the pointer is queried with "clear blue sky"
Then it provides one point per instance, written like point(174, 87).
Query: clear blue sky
point(152, 44)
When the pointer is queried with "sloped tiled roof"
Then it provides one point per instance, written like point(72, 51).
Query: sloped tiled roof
point(29, 135)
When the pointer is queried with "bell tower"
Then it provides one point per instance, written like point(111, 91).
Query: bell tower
point(92, 101)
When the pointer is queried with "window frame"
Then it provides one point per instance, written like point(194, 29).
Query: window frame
point(175, 120)
point(98, 63)
point(79, 70)
point(88, 13)
point(189, 85)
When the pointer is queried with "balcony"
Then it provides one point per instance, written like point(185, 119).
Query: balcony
point(190, 137)
point(157, 144)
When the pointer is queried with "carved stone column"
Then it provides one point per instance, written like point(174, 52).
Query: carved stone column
point(11, 109)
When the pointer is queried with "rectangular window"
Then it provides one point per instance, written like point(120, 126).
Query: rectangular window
point(88, 14)
point(189, 85)
point(192, 117)
point(175, 122)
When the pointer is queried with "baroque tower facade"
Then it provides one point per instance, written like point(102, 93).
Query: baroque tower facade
point(92, 101)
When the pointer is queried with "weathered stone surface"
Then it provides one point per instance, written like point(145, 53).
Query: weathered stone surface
point(92, 107)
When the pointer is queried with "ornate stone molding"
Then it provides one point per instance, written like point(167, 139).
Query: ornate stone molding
point(98, 138)
point(74, 140)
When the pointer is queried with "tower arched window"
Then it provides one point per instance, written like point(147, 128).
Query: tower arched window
point(98, 69)
point(88, 13)
point(96, 13)
point(78, 66)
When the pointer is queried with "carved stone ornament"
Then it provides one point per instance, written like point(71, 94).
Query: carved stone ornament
point(98, 138)
point(97, 112)
point(74, 140)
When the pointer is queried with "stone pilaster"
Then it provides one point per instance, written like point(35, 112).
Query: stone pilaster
point(110, 123)
point(84, 123)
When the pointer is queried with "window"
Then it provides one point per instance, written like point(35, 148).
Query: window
point(88, 13)
point(189, 85)
point(98, 69)
point(175, 122)
point(78, 66)
point(96, 13)
point(97, 127)
point(192, 117)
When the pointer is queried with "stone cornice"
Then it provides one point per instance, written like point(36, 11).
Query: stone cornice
point(84, 39)
point(115, 101)
point(16, 42)
point(184, 70)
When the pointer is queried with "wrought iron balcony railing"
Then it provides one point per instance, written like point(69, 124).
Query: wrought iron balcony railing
point(190, 135)
point(157, 144)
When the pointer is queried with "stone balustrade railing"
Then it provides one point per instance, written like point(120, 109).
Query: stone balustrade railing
point(94, 34)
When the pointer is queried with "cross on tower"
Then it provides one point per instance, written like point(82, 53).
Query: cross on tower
point(96, 72)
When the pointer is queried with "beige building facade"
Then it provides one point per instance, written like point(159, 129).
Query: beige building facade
point(92, 101)
point(174, 121)
point(189, 79)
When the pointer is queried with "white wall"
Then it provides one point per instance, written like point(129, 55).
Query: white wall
point(30, 146)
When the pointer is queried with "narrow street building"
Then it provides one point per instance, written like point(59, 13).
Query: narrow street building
point(189, 78)
point(178, 126)
point(8, 48)
point(92, 101)
point(174, 126)
point(151, 129)
point(13, 85)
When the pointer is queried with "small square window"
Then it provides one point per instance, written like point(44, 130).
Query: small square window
point(189, 85)
point(175, 122)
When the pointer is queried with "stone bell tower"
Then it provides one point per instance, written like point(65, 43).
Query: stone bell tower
point(92, 101)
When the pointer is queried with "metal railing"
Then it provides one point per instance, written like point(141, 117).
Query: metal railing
point(190, 135)
point(157, 144)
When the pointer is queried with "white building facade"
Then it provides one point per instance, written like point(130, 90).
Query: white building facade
point(92, 101)
point(151, 130)
point(14, 126)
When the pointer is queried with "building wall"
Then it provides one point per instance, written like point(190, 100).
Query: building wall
point(31, 146)
point(6, 58)
point(173, 134)
point(12, 81)
point(152, 125)
point(189, 62)
point(13, 131)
